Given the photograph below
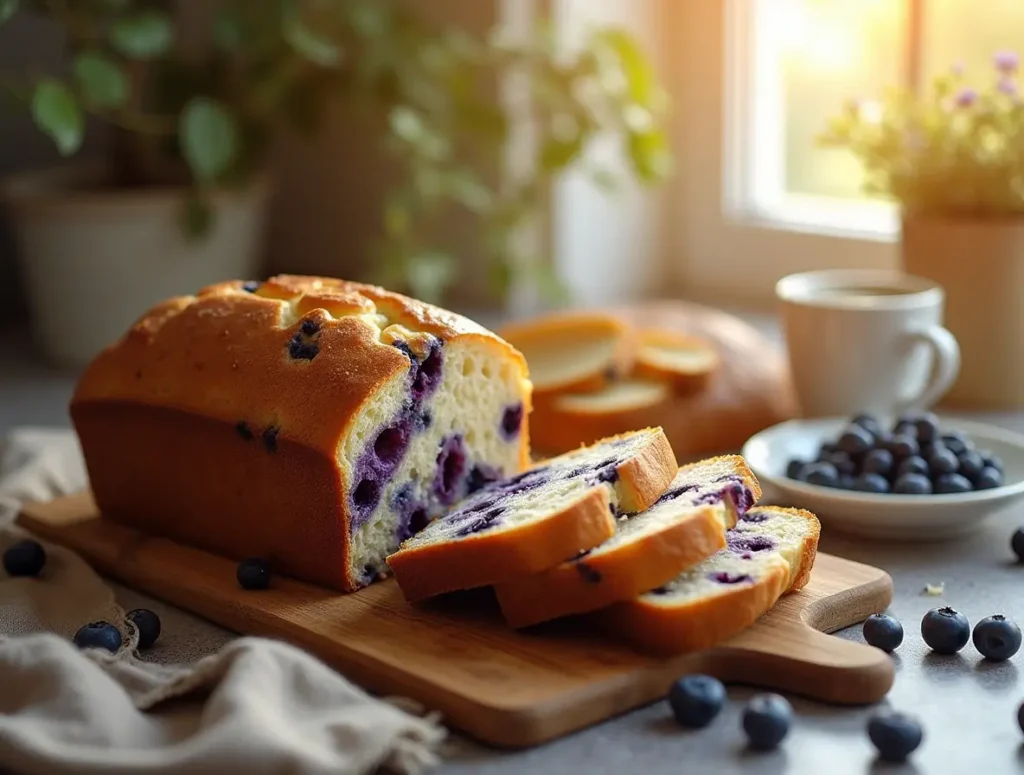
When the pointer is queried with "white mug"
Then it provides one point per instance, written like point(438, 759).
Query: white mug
point(864, 340)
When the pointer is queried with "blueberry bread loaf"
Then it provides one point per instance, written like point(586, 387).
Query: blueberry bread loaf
point(535, 520)
point(686, 525)
point(315, 422)
point(770, 552)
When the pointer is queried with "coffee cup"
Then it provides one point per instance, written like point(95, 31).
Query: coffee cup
point(864, 340)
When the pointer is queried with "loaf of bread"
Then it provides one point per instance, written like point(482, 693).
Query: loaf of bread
point(685, 526)
point(537, 519)
point(749, 389)
point(313, 422)
point(769, 553)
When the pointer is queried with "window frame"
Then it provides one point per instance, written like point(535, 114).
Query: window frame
point(726, 244)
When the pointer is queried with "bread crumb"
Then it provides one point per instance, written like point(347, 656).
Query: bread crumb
point(935, 589)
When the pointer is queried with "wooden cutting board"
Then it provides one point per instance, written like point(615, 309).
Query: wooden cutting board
point(506, 688)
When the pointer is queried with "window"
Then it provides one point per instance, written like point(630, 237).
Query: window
point(758, 79)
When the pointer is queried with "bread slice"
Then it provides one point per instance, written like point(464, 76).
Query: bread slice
point(686, 525)
point(686, 362)
point(770, 552)
point(573, 351)
point(536, 519)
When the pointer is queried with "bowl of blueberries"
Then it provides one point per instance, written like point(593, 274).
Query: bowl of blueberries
point(913, 477)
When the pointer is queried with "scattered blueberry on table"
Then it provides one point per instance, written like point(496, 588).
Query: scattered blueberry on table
point(945, 630)
point(915, 457)
point(895, 735)
point(24, 558)
point(997, 638)
point(148, 625)
point(1017, 543)
point(98, 635)
point(883, 631)
point(696, 700)
point(766, 721)
point(253, 573)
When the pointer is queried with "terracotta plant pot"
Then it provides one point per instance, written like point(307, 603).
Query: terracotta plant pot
point(980, 263)
point(94, 257)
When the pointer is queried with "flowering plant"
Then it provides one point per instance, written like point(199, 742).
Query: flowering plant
point(957, 149)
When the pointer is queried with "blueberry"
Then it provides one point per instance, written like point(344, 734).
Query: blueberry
point(915, 464)
point(952, 483)
point(511, 420)
point(766, 720)
point(988, 478)
point(991, 461)
point(903, 445)
point(970, 463)
point(997, 638)
point(253, 573)
point(956, 442)
point(24, 558)
point(1020, 717)
point(843, 463)
point(827, 448)
point(855, 440)
point(794, 469)
point(912, 484)
point(148, 625)
point(895, 735)
point(821, 474)
point(251, 286)
point(696, 700)
point(927, 426)
point(846, 481)
point(905, 428)
point(1017, 543)
point(945, 630)
point(883, 631)
point(871, 483)
point(878, 461)
point(98, 635)
point(943, 461)
point(868, 422)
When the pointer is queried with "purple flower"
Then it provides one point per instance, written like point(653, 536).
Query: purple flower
point(966, 97)
point(1006, 61)
point(1007, 86)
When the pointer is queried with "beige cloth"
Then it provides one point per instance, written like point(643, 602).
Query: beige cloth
point(256, 706)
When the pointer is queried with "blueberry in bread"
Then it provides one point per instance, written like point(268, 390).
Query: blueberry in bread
point(686, 525)
point(769, 553)
point(535, 520)
point(572, 351)
point(313, 422)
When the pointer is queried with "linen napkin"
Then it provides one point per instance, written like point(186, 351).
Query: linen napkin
point(255, 706)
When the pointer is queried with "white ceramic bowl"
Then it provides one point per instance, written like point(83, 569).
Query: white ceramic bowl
point(871, 515)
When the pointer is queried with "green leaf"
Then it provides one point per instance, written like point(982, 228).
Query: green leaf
point(227, 30)
point(556, 154)
point(316, 48)
point(196, 217)
point(605, 180)
point(100, 80)
point(429, 274)
point(7, 9)
point(209, 137)
point(143, 35)
point(650, 155)
point(641, 79)
point(56, 112)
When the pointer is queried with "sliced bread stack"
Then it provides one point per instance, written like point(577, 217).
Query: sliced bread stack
point(618, 532)
point(595, 371)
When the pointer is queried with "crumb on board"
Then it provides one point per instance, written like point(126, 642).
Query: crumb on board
point(935, 589)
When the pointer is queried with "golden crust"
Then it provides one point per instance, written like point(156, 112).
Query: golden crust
point(707, 623)
point(425, 570)
point(683, 380)
point(623, 573)
point(197, 424)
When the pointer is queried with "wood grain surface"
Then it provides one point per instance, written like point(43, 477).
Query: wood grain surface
point(456, 656)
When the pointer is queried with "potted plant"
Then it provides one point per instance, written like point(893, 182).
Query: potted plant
point(179, 199)
point(953, 159)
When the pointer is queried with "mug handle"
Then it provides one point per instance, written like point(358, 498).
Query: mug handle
point(946, 368)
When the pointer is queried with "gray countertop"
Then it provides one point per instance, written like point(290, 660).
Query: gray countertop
point(968, 707)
